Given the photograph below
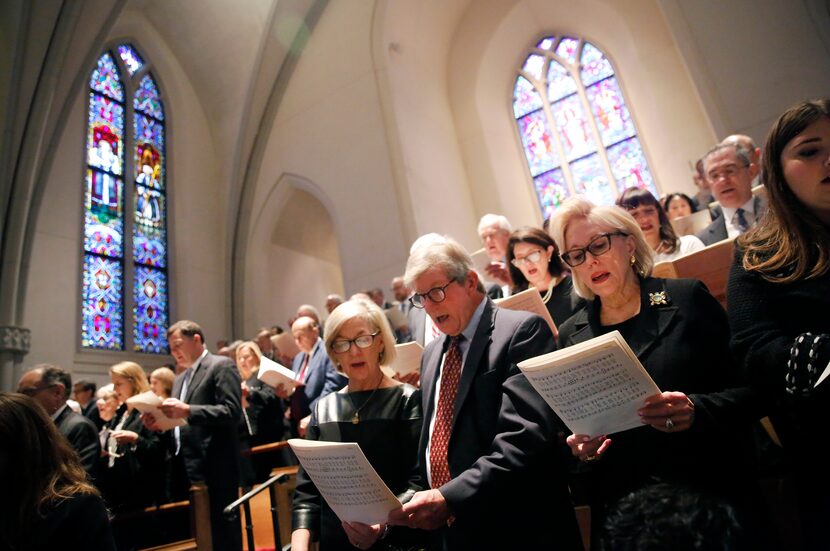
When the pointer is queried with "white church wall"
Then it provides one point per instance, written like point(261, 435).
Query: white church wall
point(329, 131)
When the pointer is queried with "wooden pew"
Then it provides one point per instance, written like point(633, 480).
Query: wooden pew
point(710, 265)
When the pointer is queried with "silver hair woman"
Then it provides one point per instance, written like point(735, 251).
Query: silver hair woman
point(374, 410)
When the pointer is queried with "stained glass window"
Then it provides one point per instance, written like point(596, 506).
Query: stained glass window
point(122, 251)
point(576, 130)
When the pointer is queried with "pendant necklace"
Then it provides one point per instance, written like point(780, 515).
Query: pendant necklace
point(356, 416)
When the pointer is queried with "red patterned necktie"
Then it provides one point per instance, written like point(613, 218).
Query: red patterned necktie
point(450, 375)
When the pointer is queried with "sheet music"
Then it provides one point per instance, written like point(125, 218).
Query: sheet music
point(480, 261)
point(147, 402)
point(529, 300)
point(595, 387)
point(408, 358)
point(273, 374)
point(346, 480)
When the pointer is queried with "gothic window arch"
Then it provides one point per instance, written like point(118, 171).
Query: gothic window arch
point(125, 281)
point(576, 130)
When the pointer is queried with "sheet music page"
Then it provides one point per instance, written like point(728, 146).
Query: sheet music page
point(147, 402)
point(529, 300)
point(595, 387)
point(408, 358)
point(273, 374)
point(480, 261)
point(346, 480)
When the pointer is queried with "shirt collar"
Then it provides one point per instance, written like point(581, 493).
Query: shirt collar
point(470, 331)
point(57, 414)
point(749, 207)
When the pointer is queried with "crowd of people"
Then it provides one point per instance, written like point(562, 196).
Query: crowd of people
point(464, 438)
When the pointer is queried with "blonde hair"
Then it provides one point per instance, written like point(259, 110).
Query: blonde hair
point(254, 348)
point(609, 219)
point(166, 376)
point(133, 373)
point(370, 313)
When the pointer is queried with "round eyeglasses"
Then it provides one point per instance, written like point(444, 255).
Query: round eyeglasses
point(341, 346)
point(597, 247)
point(531, 258)
point(436, 295)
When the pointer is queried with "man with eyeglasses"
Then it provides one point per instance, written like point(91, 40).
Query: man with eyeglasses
point(473, 394)
point(49, 386)
point(730, 170)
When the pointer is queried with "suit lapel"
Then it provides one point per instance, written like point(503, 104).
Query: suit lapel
point(197, 377)
point(481, 341)
point(655, 319)
point(430, 366)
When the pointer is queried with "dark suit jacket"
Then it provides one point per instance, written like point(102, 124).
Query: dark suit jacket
point(209, 440)
point(83, 436)
point(494, 291)
point(716, 231)
point(320, 377)
point(485, 482)
point(684, 346)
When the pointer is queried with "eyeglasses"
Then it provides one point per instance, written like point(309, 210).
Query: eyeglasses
point(342, 346)
point(436, 295)
point(597, 247)
point(531, 258)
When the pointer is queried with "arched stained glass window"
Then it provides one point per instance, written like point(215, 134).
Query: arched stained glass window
point(576, 131)
point(125, 252)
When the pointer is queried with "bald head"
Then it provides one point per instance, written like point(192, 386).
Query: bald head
point(306, 331)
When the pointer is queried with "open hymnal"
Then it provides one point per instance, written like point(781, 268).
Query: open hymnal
point(273, 374)
point(693, 223)
point(346, 480)
point(480, 261)
point(407, 358)
point(595, 387)
point(528, 300)
point(147, 402)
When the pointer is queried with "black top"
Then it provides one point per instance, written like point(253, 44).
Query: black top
point(79, 522)
point(388, 432)
point(136, 478)
point(766, 318)
point(564, 302)
point(684, 346)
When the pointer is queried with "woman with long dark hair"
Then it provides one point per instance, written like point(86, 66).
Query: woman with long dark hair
point(47, 503)
point(779, 300)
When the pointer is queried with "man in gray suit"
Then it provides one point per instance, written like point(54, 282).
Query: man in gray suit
point(730, 171)
point(208, 395)
point(464, 374)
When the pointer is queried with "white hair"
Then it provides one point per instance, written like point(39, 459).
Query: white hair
point(445, 253)
point(426, 239)
point(497, 220)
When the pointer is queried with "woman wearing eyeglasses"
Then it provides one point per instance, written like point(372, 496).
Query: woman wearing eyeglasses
point(696, 431)
point(657, 230)
point(533, 261)
point(374, 410)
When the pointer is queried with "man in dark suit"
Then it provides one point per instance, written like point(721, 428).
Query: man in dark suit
point(470, 488)
point(84, 393)
point(207, 394)
point(313, 368)
point(50, 385)
point(730, 170)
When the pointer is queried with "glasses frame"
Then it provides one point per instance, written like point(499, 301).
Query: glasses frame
point(353, 341)
point(587, 249)
point(527, 259)
point(418, 300)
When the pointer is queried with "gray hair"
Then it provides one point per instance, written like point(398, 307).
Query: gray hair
point(609, 219)
point(367, 311)
point(305, 309)
point(497, 220)
point(742, 153)
point(446, 254)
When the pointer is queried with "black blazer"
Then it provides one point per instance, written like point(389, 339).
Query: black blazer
point(716, 231)
point(83, 436)
point(209, 439)
point(684, 346)
point(484, 480)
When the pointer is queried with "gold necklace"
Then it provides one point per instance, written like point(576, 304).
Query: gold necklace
point(356, 416)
